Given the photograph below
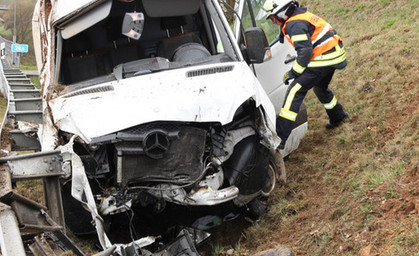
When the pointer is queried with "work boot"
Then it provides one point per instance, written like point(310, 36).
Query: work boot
point(331, 125)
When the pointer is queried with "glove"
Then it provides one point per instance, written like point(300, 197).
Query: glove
point(281, 37)
point(288, 76)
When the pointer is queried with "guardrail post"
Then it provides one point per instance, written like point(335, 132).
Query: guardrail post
point(53, 200)
point(10, 240)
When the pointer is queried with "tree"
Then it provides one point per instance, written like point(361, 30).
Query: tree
point(229, 5)
point(228, 8)
point(24, 12)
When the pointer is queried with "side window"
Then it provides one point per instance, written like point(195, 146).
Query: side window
point(219, 46)
point(271, 30)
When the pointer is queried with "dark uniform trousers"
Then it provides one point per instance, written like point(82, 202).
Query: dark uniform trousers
point(318, 79)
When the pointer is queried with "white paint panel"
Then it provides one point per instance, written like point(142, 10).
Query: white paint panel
point(162, 96)
point(86, 20)
point(271, 72)
point(63, 8)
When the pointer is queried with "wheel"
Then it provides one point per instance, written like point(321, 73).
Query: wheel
point(270, 179)
point(256, 208)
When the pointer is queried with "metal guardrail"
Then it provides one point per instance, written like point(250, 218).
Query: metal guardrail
point(24, 104)
point(12, 84)
point(21, 217)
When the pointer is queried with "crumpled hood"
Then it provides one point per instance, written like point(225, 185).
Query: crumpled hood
point(163, 96)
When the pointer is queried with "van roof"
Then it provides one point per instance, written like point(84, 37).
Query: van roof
point(64, 9)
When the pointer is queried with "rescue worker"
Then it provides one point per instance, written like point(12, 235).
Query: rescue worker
point(320, 52)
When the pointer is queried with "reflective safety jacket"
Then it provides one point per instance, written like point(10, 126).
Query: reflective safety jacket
point(327, 47)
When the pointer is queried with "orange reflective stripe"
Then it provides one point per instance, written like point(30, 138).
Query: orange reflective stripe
point(321, 27)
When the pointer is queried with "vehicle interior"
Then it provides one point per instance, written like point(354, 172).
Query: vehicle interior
point(179, 32)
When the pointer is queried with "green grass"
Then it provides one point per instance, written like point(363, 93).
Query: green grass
point(32, 189)
point(5, 32)
point(389, 23)
point(28, 66)
point(3, 106)
point(36, 82)
point(28, 62)
point(347, 174)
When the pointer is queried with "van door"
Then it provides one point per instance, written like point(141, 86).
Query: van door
point(270, 72)
point(243, 14)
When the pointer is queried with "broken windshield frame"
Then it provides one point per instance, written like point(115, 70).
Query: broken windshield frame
point(92, 56)
point(143, 67)
point(152, 65)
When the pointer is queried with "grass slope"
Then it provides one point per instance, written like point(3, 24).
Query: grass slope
point(355, 190)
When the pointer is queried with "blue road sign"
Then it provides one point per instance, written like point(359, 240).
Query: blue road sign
point(19, 48)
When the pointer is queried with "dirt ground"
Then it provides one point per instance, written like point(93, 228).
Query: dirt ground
point(5, 141)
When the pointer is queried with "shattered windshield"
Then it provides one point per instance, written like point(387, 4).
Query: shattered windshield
point(129, 42)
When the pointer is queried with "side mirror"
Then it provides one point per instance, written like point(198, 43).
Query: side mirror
point(258, 49)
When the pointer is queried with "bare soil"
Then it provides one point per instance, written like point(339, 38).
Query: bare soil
point(5, 141)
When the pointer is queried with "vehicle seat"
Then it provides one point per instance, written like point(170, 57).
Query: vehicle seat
point(80, 63)
point(190, 52)
point(77, 46)
point(176, 37)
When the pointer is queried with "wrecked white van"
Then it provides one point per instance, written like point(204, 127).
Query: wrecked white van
point(155, 101)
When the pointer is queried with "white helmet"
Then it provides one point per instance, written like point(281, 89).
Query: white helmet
point(280, 8)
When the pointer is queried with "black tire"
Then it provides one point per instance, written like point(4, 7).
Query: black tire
point(256, 208)
point(271, 179)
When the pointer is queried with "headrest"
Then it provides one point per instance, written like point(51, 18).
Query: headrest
point(172, 22)
point(170, 8)
point(78, 45)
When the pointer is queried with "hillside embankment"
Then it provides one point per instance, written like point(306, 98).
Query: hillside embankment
point(355, 190)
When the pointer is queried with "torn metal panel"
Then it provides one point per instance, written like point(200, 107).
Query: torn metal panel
point(281, 174)
point(294, 139)
point(24, 138)
point(107, 252)
point(183, 244)
point(32, 217)
point(21, 142)
point(83, 193)
point(62, 241)
point(108, 207)
point(53, 243)
point(204, 196)
point(44, 47)
point(27, 127)
point(213, 197)
point(41, 247)
point(10, 241)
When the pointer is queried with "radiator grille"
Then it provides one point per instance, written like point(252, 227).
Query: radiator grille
point(209, 71)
